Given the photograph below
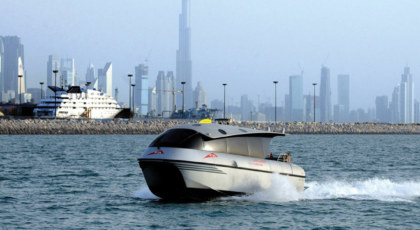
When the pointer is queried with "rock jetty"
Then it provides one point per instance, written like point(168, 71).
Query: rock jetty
point(152, 126)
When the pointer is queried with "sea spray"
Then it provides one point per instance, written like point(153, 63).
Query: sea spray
point(280, 191)
point(145, 194)
point(370, 189)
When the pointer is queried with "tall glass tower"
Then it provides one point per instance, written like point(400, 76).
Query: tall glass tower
point(343, 86)
point(141, 94)
point(325, 95)
point(407, 97)
point(296, 97)
point(183, 56)
point(13, 66)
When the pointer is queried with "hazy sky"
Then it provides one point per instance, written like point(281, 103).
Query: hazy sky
point(246, 43)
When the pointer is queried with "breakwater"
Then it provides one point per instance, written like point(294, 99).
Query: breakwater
point(59, 126)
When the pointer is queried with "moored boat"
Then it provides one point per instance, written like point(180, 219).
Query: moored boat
point(77, 103)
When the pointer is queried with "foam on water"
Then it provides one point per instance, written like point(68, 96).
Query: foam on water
point(370, 189)
point(145, 194)
point(282, 191)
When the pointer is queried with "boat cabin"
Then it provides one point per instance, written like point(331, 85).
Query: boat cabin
point(218, 138)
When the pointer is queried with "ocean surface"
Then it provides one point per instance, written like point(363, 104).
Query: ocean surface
point(94, 182)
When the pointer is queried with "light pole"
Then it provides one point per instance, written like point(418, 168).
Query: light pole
point(41, 83)
point(224, 100)
point(55, 92)
point(134, 105)
point(275, 101)
point(129, 93)
point(314, 84)
point(20, 90)
point(183, 95)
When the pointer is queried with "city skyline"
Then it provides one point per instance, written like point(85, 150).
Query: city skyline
point(221, 52)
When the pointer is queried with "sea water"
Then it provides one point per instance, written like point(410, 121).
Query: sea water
point(94, 182)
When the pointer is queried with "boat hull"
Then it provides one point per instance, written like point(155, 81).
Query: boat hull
point(170, 175)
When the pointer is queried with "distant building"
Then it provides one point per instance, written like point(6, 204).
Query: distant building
point(200, 97)
point(325, 95)
point(152, 102)
point(141, 92)
point(395, 105)
point(183, 56)
point(90, 75)
point(343, 99)
point(54, 63)
point(165, 89)
point(35, 95)
point(382, 109)
point(68, 72)
point(416, 112)
point(217, 104)
point(12, 65)
point(407, 97)
point(339, 113)
point(247, 109)
point(296, 98)
point(105, 79)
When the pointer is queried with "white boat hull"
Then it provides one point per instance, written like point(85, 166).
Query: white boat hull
point(176, 173)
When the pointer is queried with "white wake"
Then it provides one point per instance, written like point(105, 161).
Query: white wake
point(281, 191)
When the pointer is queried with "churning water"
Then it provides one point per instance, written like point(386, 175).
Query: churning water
point(94, 182)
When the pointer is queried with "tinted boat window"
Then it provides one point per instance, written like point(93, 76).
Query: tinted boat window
point(180, 138)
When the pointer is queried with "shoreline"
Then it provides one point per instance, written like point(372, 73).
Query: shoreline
point(154, 126)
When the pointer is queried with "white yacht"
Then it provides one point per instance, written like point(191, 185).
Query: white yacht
point(202, 161)
point(77, 103)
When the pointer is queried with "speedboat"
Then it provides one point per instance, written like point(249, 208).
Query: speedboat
point(204, 161)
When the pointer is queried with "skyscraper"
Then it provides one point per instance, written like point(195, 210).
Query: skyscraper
point(52, 64)
point(343, 91)
point(13, 65)
point(141, 94)
point(407, 97)
point(325, 95)
point(382, 110)
point(105, 79)
point(90, 75)
point(165, 91)
point(68, 72)
point(200, 97)
point(296, 97)
point(395, 105)
point(183, 56)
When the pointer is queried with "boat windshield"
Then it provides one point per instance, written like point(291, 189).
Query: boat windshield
point(180, 138)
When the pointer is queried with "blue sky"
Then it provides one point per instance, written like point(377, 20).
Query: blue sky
point(247, 43)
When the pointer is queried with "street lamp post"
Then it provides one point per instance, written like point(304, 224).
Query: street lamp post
point(129, 93)
point(224, 100)
point(55, 92)
point(20, 90)
point(183, 95)
point(41, 83)
point(275, 101)
point(314, 84)
point(134, 105)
